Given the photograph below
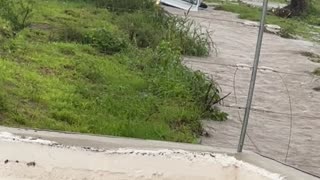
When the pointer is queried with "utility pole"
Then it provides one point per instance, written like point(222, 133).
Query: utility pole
point(253, 76)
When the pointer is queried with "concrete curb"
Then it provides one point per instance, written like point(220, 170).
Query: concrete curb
point(107, 142)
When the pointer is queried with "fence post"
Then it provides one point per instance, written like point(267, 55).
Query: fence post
point(253, 76)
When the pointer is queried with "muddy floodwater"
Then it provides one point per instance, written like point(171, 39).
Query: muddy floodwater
point(285, 121)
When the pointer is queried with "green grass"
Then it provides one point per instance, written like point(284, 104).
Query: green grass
point(303, 26)
point(80, 68)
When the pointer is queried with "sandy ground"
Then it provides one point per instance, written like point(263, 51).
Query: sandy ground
point(271, 126)
point(25, 158)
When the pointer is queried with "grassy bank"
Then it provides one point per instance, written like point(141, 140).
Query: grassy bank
point(306, 26)
point(85, 66)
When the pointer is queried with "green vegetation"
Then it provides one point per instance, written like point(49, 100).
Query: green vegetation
point(86, 67)
point(17, 13)
point(299, 26)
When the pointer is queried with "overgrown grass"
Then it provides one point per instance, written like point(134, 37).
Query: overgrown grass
point(302, 26)
point(17, 13)
point(79, 67)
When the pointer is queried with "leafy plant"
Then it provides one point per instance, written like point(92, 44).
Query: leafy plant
point(17, 12)
point(106, 41)
point(148, 29)
point(100, 38)
point(68, 33)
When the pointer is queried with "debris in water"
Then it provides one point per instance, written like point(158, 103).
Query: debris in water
point(317, 88)
point(31, 164)
point(6, 161)
point(212, 155)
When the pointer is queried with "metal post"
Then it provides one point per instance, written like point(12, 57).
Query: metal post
point(253, 76)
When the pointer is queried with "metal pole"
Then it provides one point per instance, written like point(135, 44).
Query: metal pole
point(253, 76)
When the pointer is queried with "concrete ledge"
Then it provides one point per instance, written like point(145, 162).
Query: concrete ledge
point(107, 142)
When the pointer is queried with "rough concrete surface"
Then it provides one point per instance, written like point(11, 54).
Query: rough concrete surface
point(45, 162)
point(30, 154)
point(284, 85)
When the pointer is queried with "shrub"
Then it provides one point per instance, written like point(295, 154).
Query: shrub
point(106, 41)
point(17, 12)
point(193, 40)
point(148, 29)
point(170, 79)
point(5, 30)
point(68, 33)
point(102, 39)
point(288, 30)
point(143, 30)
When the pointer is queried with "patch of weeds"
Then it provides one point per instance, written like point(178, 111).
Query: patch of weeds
point(67, 51)
point(18, 13)
point(288, 31)
point(148, 29)
point(3, 102)
point(105, 41)
point(72, 13)
point(5, 30)
point(19, 119)
point(65, 116)
point(182, 82)
point(68, 33)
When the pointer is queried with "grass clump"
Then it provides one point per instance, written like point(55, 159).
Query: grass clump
point(17, 13)
point(77, 67)
point(107, 42)
point(148, 29)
